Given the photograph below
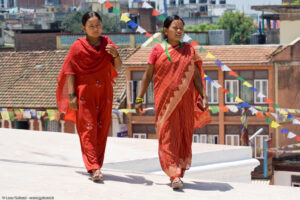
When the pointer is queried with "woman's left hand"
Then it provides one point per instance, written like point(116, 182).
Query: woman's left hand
point(112, 50)
point(205, 103)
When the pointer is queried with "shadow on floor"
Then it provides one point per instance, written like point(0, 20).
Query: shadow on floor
point(131, 179)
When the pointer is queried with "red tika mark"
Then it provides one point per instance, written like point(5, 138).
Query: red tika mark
point(108, 5)
point(232, 73)
point(267, 100)
point(155, 12)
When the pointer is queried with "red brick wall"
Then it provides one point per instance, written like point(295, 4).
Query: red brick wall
point(69, 3)
point(31, 3)
point(41, 41)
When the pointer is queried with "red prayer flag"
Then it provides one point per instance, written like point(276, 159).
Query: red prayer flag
point(271, 109)
point(224, 108)
point(259, 114)
point(232, 73)
point(267, 100)
point(298, 138)
point(193, 43)
point(226, 91)
point(155, 12)
point(108, 5)
point(148, 34)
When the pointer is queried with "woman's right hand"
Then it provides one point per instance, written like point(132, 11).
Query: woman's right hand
point(73, 103)
point(139, 108)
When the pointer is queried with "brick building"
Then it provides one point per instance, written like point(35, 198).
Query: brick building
point(28, 81)
point(31, 3)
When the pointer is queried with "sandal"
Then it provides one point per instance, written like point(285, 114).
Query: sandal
point(97, 175)
point(176, 182)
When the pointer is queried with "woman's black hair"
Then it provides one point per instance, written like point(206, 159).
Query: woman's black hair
point(168, 21)
point(88, 15)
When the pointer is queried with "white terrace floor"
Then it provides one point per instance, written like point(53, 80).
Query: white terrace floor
point(49, 166)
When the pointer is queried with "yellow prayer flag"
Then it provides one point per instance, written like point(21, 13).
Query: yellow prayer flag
point(247, 84)
point(209, 55)
point(125, 18)
point(5, 115)
point(274, 124)
point(283, 112)
point(238, 100)
point(51, 114)
point(292, 111)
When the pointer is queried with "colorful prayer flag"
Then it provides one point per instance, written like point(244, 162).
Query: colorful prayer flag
point(132, 24)
point(194, 43)
point(268, 120)
point(274, 124)
point(116, 10)
point(161, 18)
point(148, 34)
point(125, 18)
point(296, 121)
point(284, 131)
point(146, 5)
point(225, 68)
point(291, 135)
point(238, 100)
point(267, 100)
point(202, 50)
point(219, 63)
point(210, 56)
point(246, 83)
point(4, 115)
point(186, 38)
point(155, 12)
point(232, 73)
point(140, 30)
point(253, 89)
point(108, 5)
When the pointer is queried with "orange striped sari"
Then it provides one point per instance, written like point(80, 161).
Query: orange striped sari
point(177, 114)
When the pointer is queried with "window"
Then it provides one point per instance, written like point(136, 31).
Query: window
point(110, 10)
point(196, 138)
point(139, 135)
point(192, 1)
point(0, 32)
point(261, 86)
point(208, 134)
point(133, 87)
point(203, 8)
point(172, 2)
point(222, 1)
point(213, 1)
point(259, 145)
point(295, 181)
point(257, 78)
point(202, 1)
point(181, 2)
point(211, 91)
point(232, 87)
point(233, 140)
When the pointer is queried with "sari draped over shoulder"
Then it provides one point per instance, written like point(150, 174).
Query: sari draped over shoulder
point(87, 64)
point(177, 113)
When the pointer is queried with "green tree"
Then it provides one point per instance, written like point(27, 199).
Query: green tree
point(72, 22)
point(239, 25)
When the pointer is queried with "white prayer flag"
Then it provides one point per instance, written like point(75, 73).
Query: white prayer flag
point(261, 95)
point(225, 68)
point(232, 108)
point(146, 5)
point(253, 110)
point(101, 1)
point(291, 135)
point(186, 38)
point(140, 30)
point(296, 121)
point(216, 84)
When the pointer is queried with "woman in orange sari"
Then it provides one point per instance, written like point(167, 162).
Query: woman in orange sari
point(85, 93)
point(178, 88)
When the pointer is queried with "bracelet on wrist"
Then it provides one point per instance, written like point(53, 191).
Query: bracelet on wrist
point(139, 100)
point(72, 95)
point(116, 55)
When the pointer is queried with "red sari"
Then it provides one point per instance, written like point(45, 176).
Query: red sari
point(175, 98)
point(94, 76)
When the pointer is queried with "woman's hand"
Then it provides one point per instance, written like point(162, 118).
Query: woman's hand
point(112, 50)
point(73, 103)
point(205, 103)
point(139, 108)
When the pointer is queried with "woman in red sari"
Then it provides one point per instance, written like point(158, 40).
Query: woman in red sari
point(178, 87)
point(85, 93)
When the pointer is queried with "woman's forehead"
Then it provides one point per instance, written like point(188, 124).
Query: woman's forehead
point(93, 20)
point(177, 22)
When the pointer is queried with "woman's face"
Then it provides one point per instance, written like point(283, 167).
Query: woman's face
point(175, 31)
point(93, 27)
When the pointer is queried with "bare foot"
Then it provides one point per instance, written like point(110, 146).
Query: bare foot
point(97, 175)
point(177, 183)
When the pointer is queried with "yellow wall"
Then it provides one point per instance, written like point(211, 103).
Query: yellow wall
point(289, 31)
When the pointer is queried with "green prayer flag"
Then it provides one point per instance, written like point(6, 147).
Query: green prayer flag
point(276, 106)
point(240, 78)
point(116, 10)
point(264, 109)
point(297, 111)
point(11, 115)
point(202, 50)
point(161, 18)
point(230, 95)
point(215, 109)
point(268, 120)
point(156, 40)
